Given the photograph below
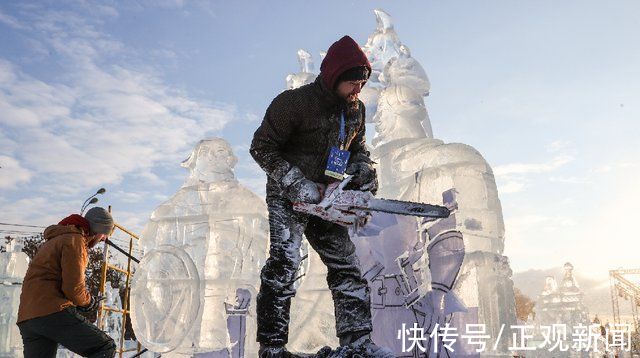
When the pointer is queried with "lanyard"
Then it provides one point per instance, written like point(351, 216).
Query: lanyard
point(342, 134)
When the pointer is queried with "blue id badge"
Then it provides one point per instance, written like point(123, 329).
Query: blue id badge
point(337, 163)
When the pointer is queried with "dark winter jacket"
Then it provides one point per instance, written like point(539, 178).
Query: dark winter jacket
point(56, 275)
point(301, 125)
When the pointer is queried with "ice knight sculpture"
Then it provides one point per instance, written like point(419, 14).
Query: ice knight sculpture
point(414, 166)
point(394, 251)
point(204, 248)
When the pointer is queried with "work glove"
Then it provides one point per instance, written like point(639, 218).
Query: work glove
point(92, 306)
point(297, 188)
point(364, 177)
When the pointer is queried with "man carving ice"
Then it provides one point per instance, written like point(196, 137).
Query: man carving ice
point(309, 137)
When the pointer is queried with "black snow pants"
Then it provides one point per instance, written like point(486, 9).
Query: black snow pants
point(349, 289)
point(42, 335)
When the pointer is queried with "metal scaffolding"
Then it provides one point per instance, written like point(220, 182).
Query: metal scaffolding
point(124, 311)
point(622, 286)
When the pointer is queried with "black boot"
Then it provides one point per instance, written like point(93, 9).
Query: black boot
point(276, 352)
point(360, 344)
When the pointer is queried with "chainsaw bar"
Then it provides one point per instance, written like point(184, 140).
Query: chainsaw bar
point(407, 208)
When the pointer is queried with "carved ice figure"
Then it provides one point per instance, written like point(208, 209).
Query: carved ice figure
point(14, 263)
point(112, 320)
point(411, 268)
point(550, 286)
point(392, 66)
point(414, 166)
point(210, 239)
point(562, 305)
point(13, 267)
point(305, 75)
point(383, 45)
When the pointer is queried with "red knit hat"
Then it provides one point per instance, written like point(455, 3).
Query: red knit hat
point(343, 55)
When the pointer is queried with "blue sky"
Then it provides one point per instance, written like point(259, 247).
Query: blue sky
point(116, 94)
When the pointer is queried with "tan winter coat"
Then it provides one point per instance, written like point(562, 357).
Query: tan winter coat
point(56, 275)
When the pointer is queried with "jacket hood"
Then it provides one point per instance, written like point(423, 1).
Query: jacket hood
point(77, 220)
point(341, 56)
point(57, 230)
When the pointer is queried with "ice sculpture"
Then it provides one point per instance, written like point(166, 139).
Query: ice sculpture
point(561, 304)
point(414, 166)
point(393, 69)
point(204, 249)
point(404, 291)
point(305, 75)
point(13, 267)
point(113, 320)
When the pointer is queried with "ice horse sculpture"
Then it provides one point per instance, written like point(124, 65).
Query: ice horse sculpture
point(194, 290)
point(13, 267)
point(414, 166)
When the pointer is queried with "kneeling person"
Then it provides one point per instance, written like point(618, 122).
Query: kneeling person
point(54, 290)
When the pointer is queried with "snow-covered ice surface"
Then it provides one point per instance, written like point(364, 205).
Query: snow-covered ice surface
point(194, 291)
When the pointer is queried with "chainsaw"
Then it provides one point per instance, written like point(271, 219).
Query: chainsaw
point(353, 207)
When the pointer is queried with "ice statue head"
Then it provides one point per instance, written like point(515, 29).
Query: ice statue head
point(404, 70)
point(211, 160)
point(399, 115)
point(305, 75)
point(400, 112)
point(550, 286)
point(383, 45)
point(568, 269)
point(569, 282)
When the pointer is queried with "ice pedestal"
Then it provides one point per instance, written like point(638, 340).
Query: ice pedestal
point(13, 267)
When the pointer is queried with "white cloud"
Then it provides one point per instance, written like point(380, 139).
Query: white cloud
point(525, 223)
point(511, 186)
point(10, 21)
point(107, 115)
point(606, 168)
point(253, 118)
point(570, 179)
point(516, 177)
point(556, 146)
point(532, 168)
point(103, 121)
point(36, 210)
point(11, 173)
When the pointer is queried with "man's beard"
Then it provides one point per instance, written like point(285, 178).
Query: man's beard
point(92, 243)
point(351, 105)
